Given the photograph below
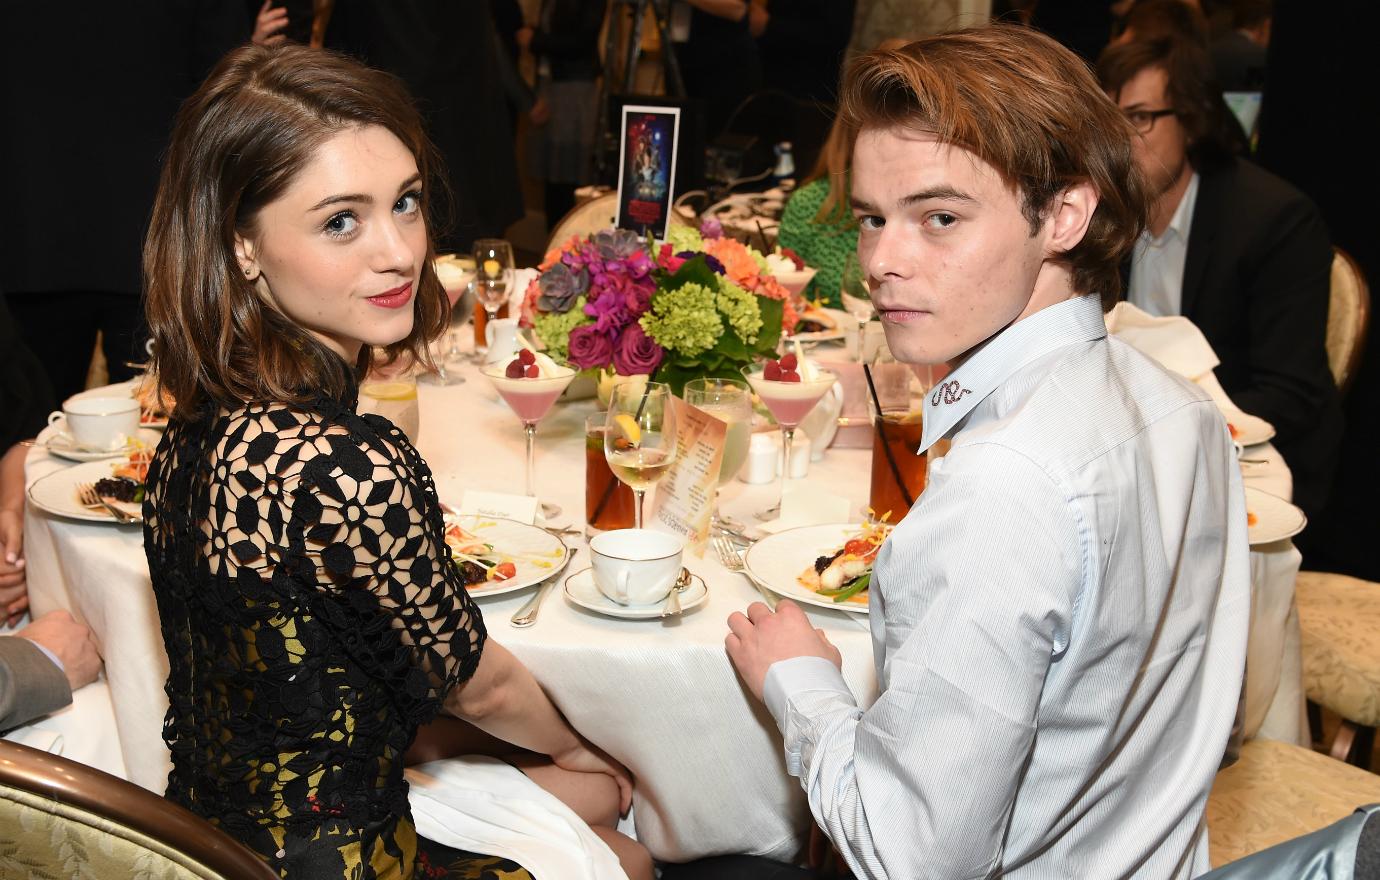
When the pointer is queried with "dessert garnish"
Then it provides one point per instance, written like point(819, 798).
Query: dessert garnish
point(783, 370)
point(523, 366)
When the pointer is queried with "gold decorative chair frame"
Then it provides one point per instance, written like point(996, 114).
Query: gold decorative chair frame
point(62, 819)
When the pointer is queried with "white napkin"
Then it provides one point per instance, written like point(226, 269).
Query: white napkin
point(483, 805)
point(805, 504)
point(1175, 342)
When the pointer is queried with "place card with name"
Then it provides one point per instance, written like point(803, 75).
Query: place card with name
point(500, 505)
point(685, 495)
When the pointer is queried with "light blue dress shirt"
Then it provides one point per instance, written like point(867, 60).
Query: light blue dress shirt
point(1059, 627)
point(1156, 284)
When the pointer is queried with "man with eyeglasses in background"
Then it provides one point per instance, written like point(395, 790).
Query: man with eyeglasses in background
point(1241, 253)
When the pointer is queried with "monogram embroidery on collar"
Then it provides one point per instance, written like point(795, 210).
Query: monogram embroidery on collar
point(949, 392)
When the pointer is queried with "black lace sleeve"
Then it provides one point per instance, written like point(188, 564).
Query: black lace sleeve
point(346, 512)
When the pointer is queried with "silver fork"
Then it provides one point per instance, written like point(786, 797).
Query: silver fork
point(732, 560)
point(90, 499)
point(527, 614)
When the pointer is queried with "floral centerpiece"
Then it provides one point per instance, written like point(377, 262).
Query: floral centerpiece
point(697, 304)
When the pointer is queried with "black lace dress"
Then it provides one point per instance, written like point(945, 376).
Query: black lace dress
point(312, 621)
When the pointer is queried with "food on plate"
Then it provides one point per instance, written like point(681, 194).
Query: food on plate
point(126, 482)
point(153, 406)
point(476, 559)
point(1251, 519)
point(1234, 431)
point(814, 320)
point(845, 574)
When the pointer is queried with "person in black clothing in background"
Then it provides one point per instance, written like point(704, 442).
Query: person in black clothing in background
point(448, 54)
point(719, 61)
point(88, 100)
point(802, 43)
point(560, 143)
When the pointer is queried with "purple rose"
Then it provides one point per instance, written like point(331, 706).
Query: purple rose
point(589, 348)
point(709, 260)
point(560, 288)
point(635, 352)
point(711, 228)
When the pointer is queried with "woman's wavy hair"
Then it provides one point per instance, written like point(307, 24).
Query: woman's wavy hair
point(1029, 108)
point(237, 145)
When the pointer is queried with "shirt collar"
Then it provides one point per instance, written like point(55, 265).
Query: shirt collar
point(1182, 220)
point(1053, 327)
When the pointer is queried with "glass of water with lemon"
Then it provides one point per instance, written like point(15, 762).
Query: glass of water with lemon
point(390, 390)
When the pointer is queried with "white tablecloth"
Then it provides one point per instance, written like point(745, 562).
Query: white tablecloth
point(662, 698)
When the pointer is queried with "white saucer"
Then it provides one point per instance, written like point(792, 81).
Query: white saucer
point(60, 443)
point(580, 589)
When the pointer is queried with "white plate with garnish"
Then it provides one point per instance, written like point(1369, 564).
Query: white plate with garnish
point(777, 560)
point(56, 441)
point(535, 554)
point(57, 493)
point(1270, 518)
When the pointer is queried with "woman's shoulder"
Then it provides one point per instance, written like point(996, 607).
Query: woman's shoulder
point(291, 440)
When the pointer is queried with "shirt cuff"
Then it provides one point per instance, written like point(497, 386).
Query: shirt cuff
point(50, 655)
point(786, 678)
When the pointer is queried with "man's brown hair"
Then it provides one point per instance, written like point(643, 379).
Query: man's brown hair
point(1029, 108)
point(237, 145)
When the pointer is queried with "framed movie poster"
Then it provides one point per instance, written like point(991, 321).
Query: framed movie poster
point(647, 168)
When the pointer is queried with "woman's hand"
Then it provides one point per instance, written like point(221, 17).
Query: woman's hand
point(585, 757)
point(269, 24)
point(14, 590)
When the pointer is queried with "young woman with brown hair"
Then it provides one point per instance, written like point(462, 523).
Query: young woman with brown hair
point(311, 614)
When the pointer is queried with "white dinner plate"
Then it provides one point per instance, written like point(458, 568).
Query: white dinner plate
point(60, 443)
point(1246, 429)
point(841, 322)
point(580, 589)
point(1275, 518)
point(535, 553)
point(776, 561)
point(57, 492)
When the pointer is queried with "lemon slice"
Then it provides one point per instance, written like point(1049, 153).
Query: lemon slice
point(629, 428)
point(390, 390)
point(491, 268)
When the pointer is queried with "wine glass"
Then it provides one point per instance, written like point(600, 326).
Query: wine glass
point(857, 298)
point(449, 348)
point(640, 440)
point(493, 278)
point(530, 399)
point(729, 401)
point(789, 401)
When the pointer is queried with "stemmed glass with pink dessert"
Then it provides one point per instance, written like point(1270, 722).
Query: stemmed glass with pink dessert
point(530, 384)
point(790, 390)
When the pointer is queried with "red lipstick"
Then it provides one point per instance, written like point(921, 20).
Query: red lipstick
point(395, 298)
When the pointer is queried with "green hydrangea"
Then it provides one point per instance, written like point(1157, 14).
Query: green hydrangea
point(683, 238)
point(554, 329)
point(758, 258)
point(740, 308)
point(684, 320)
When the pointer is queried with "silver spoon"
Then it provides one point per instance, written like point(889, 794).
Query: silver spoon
point(673, 598)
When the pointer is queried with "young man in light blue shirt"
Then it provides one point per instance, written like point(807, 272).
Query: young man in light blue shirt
point(1059, 624)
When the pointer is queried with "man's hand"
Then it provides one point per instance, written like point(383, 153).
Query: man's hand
point(540, 112)
point(70, 641)
point(589, 758)
point(757, 20)
point(269, 24)
point(763, 637)
point(14, 590)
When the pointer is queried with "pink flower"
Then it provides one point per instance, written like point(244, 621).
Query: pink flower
point(589, 348)
point(667, 260)
point(636, 352)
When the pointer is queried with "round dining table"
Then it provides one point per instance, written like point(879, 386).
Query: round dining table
point(659, 695)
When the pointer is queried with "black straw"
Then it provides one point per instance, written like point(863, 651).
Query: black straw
point(886, 447)
point(766, 248)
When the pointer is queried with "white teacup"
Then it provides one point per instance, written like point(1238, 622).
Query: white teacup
point(500, 335)
point(100, 423)
point(635, 566)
